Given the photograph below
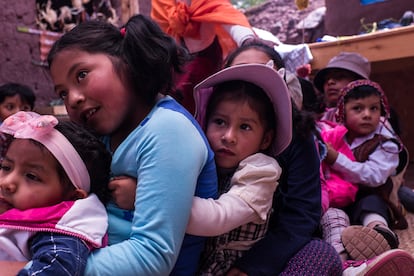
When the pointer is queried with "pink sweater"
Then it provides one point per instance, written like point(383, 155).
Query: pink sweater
point(341, 193)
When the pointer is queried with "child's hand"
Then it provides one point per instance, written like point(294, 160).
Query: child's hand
point(123, 191)
point(332, 154)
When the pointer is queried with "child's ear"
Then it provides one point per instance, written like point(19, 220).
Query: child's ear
point(79, 194)
point(267, 140)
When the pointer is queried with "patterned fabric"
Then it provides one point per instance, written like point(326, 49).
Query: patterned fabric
point(316, 258)
point(56, 254)
point(222, 251)
point(333, 222)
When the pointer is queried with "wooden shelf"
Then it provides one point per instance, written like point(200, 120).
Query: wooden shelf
point(379, 46)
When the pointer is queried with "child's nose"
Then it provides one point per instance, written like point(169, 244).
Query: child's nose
point(74, 98)
point(229, 136)
point(8, 185)
point(330, 81)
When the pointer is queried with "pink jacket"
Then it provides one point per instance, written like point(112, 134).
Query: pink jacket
point(341, 193)
point(83, 218)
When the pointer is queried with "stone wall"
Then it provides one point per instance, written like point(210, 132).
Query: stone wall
point(20, 51)
point(20, 54)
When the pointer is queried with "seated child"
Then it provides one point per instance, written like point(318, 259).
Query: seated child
point(242, 110)
point(53, 187)
point(15, 97)
point(362, 155)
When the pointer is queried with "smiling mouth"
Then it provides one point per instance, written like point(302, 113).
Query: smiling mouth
point(87, 115)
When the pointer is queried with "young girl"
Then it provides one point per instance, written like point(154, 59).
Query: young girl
point(113, 82)
point(361, 153)
point(51, 176)
point(242, 110)
point(15, 97)
point(289, 247)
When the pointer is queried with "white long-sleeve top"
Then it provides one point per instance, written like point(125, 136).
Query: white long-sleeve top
point(380, 164)
point(248, 200)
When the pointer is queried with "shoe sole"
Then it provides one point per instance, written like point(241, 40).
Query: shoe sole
point(363, 243)
point(392, 263)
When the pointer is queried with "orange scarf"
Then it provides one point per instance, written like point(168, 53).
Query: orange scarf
point(179, 20)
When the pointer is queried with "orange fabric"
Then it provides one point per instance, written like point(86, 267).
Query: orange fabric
point(179, 20)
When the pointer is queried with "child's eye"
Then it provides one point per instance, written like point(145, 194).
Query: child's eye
point(26, 108)
point(62, 94)
point(9, 107)
point(245, 127)
point(32, 177)
point(219, 121)
point(81, 75)
point(4, 168)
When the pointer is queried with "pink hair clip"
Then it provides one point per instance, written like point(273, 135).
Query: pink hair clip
point(123, 31)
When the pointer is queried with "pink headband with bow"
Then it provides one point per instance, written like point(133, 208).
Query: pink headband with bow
point(30, 125)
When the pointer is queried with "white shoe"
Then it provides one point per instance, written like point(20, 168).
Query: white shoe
point(394, 262)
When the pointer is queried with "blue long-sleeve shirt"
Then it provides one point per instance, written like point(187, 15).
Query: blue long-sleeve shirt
point(170, 156)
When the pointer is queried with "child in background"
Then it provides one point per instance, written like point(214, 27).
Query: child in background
point(362, 154)
point(340, 70)
point(242, 109)
point(15, 97)
point(51, 177)
point(114, 82)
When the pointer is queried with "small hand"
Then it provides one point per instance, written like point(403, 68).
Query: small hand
point(123, 191)
point(332, 154)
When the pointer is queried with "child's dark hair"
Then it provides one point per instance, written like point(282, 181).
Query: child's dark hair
point(361, 89)
point(142, 52)
point(361, 92)
point(94, 154)
point(242, 91)
point(260, 46)
point(25, 92)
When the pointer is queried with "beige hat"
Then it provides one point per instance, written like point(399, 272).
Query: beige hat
point(349, 61)
point(264, 77)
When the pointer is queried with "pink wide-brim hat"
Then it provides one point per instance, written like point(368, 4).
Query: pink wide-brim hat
point(264, 77)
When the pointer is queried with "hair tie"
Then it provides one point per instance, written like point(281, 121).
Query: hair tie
point(123, 31)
